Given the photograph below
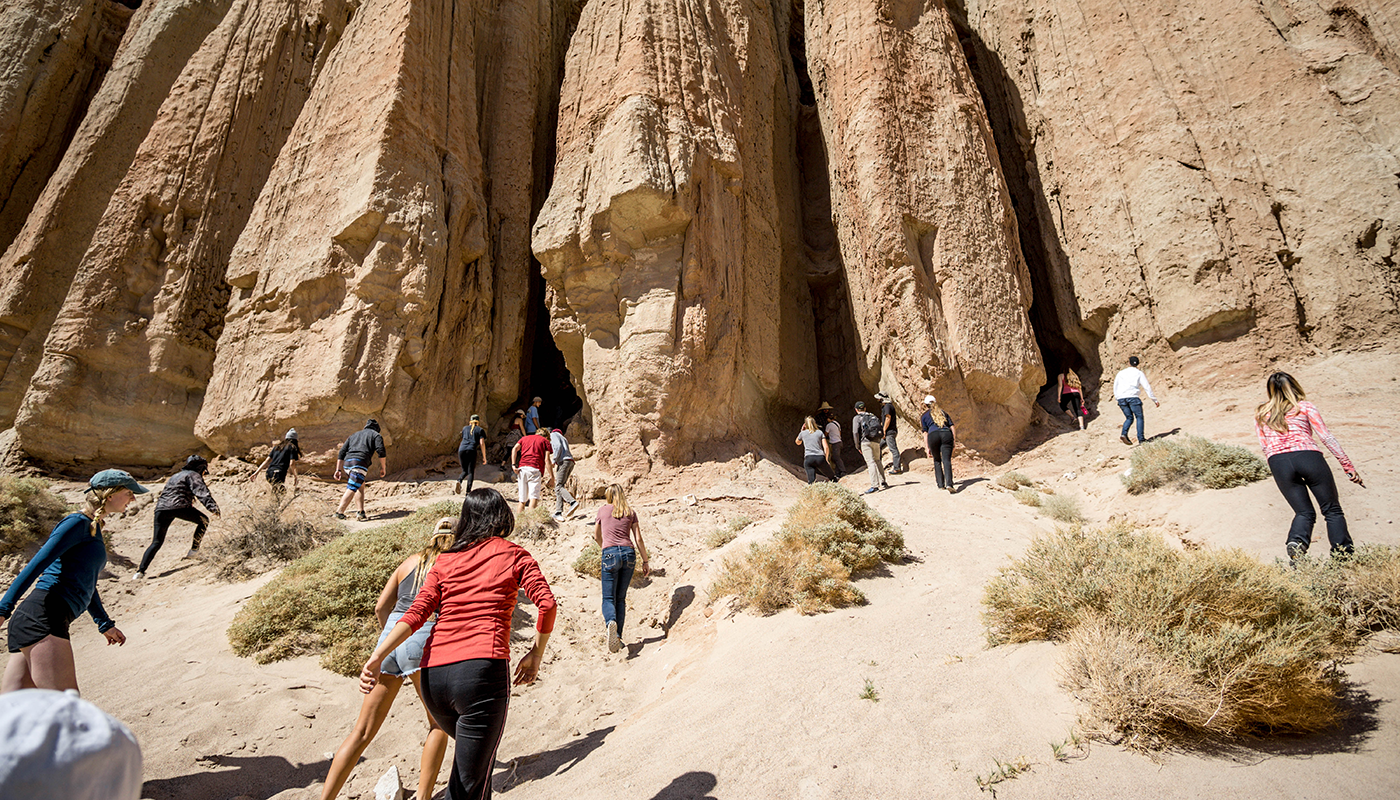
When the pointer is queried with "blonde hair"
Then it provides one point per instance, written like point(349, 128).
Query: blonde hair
point(443, 538)
point(95, 506)
point(810, 424)
point(1284, 395)
point(618, 499)
point(1072, 380)
point(936, 412)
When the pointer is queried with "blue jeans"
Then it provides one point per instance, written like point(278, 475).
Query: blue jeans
point(1132, 407)
point(618, 566)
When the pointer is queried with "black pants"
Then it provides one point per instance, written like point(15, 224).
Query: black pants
point(1296, 473)
point(940, 446)
point(163, 519)
point(815, 464)
point(469, 700)
point(468, 460)
point(1070, 402)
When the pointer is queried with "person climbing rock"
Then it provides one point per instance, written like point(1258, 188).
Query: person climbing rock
point(176, 501)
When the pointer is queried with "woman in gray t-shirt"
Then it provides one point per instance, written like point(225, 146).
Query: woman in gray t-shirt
point(816, 453)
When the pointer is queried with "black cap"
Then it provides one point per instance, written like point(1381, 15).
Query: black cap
point(860, 405)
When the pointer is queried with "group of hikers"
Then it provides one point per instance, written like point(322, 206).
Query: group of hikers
point(446, 611)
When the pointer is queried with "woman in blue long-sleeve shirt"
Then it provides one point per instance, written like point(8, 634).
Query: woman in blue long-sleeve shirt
point(66, 570)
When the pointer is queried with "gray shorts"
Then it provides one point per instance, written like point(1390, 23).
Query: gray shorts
point(404, 661)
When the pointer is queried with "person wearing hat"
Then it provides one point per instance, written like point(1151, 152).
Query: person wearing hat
point(866, 430)
point(532, 416)
point(56, 744)
point(938, 441)
point(177, 502)
point(832, 429)
point(353, 462)
point(471, 449)
point(64, 574)
point(889, 424)
point(280, 461)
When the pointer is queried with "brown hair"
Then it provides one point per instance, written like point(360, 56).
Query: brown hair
point(1072, 380)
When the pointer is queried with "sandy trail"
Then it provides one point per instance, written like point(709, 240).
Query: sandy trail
point(736, 706)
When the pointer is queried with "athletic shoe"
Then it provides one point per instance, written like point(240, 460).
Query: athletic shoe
point(557, 517)
point(337, 515)
point(884, 486)
point(871, 490)
point(193, 553)
point(572, 508)
point(361, 516)
point(1125, 440)
point(950, 488)
point(458, 488)
point(614, 641)
point(139, 576)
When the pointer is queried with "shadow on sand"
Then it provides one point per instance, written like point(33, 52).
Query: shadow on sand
point(561, 759)
point(690, 786)
point(260, 776)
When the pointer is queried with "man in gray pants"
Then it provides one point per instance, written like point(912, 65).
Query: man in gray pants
point(563, 466)
point(864, 426)
point(890, 425)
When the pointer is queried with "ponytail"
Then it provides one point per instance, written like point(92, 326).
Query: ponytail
point(95, 506)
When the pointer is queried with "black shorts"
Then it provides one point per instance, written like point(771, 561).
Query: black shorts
point(38, 616)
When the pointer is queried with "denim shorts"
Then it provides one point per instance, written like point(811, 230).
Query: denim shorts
point(405, 659)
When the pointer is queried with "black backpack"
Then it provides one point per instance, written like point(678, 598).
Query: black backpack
point(870, 428)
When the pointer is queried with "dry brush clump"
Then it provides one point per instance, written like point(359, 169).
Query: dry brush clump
point(1162, 644)
point(589, 564)
point(324, 601)
point(1363, 588)
point(534, 523)
point(829, 535)
point(1062, 508)
point(28, 512)
point(1013, 480)
point(274, 529)
point(1028, 496)
point(1190, 462)
point(722, 536)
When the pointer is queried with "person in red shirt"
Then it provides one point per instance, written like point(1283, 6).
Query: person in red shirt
point(532, 463)
point(466, 662)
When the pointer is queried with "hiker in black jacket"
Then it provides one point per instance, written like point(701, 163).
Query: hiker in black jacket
point(177, 502)
point(354, 460)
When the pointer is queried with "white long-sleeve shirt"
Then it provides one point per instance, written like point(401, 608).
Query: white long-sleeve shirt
point(1127, 381)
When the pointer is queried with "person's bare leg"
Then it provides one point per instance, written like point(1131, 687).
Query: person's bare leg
point(434, 749)
point(17, 674)
point(373, 711)
point(345, 501)
point(51, 664)
point(360, 498)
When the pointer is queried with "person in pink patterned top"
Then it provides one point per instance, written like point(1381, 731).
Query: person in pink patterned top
point(1286, 425)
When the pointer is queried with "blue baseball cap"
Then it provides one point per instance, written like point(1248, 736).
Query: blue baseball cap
point(112, 478)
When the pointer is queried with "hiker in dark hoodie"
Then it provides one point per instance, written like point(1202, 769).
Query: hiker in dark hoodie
point(353, 461)
point(177, 502)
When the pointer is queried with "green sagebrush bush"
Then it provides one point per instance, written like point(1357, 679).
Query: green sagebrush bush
point(1190, 462)
point(324, 601)
point(28, 513)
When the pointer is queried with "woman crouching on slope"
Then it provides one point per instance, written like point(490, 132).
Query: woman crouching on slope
point(466, 663)
point(404, 662)
point(66, 569)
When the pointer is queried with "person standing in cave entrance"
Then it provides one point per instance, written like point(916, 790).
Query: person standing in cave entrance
point(353, 461)
point(532, 416)
point(865, 430)
point(1126, 386)
point(890, 426)
point(816, 451)
point(177, 502)
point(531, 458)
point(1072, 396)
point(472, 448)
point(826, 418)
point(938, 441)
point(514, 434)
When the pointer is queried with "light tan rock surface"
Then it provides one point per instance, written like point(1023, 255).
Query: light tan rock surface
point(136, 337)
point(938, 289)
point(1205, 171)
point(37, 269)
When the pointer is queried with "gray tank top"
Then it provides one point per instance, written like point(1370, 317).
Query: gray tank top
point(406, 593)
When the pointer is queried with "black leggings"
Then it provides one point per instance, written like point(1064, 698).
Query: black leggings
point(468, 460)
point(813, 464)
point(1071, 404)
point(1295, 473)
point(940, 446)
point(163, 519)
point(469, 700)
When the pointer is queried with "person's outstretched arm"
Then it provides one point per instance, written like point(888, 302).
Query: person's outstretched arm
point(1330, 442)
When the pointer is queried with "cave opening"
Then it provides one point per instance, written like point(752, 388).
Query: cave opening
point(1054, 312)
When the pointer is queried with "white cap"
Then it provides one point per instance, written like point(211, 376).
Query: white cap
point(929, 399)
point(291, 433)
point(55, 744)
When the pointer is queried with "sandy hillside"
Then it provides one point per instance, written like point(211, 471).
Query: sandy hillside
point(706, 702)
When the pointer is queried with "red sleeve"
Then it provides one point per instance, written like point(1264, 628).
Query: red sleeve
point(429, 599)
point(528, 575)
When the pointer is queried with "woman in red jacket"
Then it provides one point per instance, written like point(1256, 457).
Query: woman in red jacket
point(466, 662)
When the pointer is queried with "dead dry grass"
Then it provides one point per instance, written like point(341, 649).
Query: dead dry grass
point(28, 512)
point(273, 530)
point(1191, 462)
point(534, 523)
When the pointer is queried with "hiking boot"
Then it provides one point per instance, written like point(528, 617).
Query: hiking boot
point(1125, 440)
point(337, 515)
point(361, 516)
point(614, 641)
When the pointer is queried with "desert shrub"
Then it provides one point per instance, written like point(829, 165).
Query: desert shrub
point(28, 512)
point(842, 525)
point(1013, 480)
point(829, 534)
point(1062, 508)
point(722, 536)
point(534, 523)
point(1028, 496)
point(589, 563)
point(787, 571)
point(324, 601)
point(1164, 643)
point(1363, 590)
point(1190, 462)
point(274, 529)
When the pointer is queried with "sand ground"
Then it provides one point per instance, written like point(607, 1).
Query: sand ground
point(707, 702)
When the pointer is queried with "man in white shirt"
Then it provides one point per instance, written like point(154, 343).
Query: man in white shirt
point(1126, 386)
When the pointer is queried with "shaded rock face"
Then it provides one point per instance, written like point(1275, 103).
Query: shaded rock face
point(721, 213)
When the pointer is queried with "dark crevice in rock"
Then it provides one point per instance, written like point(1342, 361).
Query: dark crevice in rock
point(1064, 342)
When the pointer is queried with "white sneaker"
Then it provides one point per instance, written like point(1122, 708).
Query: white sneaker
point(138, 576)
point(572, 508)
point(557, 517)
